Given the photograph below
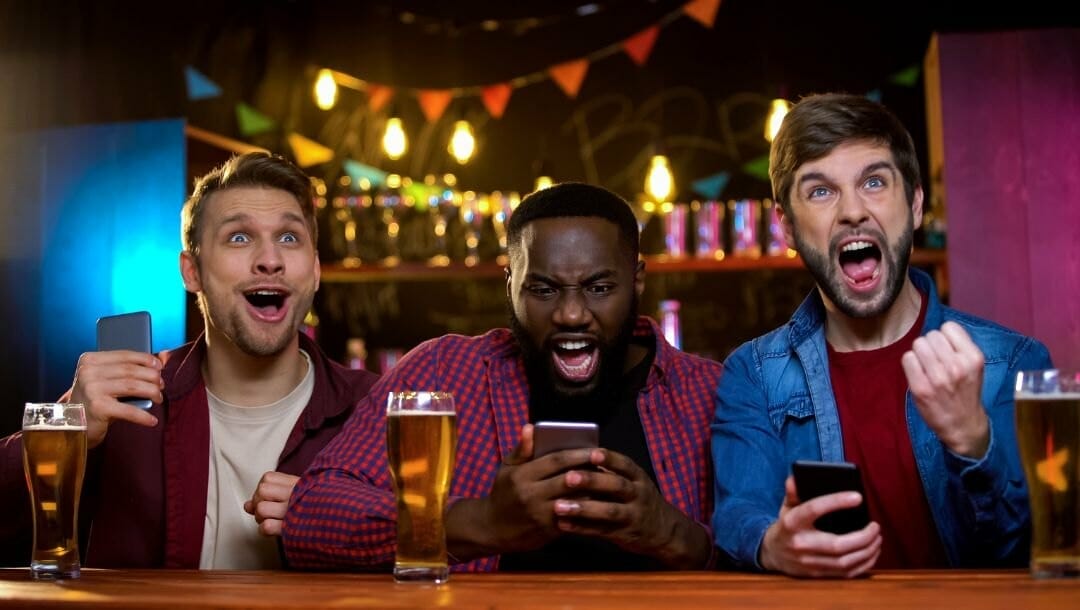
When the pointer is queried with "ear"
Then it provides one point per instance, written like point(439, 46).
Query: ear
point(189, 271)
point(787, 225)
point(506, 273)
point(917, 207)
point(639, 278)
point(317, 271)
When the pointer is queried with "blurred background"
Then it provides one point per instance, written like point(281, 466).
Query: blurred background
point(423, 123)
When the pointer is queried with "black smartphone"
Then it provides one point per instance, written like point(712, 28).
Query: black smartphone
point(551, 436)
point(130, 331)
point(813, 479)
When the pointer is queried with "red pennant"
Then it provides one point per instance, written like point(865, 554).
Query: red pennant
point(434, 102)
point(495, 98)
point(569, 75)
point(702, 11)
point(640, 45)
point(378, 96)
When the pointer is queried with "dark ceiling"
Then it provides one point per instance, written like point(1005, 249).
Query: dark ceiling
point(702, 94)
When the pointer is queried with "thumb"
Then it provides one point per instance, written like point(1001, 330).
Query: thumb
point(791, 494)
point(523, 452)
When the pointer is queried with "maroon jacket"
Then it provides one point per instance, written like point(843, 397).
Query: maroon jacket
point(144, 498)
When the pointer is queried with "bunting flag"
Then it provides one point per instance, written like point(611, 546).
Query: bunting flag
point(357, 171)
point(906, 77)
point(758, 168)
point(569, 75)
point(378, 96)
point(199, 87)
point(495, 98)
point(640, 45)
point(434, 102)
point(712, 186)
point(702, 11)
point(309, 152)
point(252, 122)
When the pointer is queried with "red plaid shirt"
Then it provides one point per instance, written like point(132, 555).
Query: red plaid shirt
point(342, 512)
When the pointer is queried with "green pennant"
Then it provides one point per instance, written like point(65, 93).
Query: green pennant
point(758, 168)
point(357, 171)
point(253, 122)
point(906, 77)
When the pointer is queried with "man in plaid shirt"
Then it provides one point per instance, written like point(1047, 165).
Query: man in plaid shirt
point(576, 350)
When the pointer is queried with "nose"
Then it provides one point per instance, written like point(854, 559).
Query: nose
point(268, 259)
point(853, 210)
point(571, 311)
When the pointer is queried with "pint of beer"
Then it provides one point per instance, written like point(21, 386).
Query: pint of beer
point(54, 460)
point(420, 439)
point(1048, 431)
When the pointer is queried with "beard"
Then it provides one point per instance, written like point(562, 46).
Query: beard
point(894, 259)
point(234, 324)
point(559, 400)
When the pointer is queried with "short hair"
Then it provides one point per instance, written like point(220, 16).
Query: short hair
point(575, 200)
point(253, 169)
point(819, 123)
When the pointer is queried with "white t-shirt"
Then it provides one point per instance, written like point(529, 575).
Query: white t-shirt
point(245, 443)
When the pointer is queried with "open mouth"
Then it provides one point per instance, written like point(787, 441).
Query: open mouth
point(860, 261)
point(576, 360)
point(267, 302)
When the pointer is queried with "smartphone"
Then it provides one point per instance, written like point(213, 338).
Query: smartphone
point(551, 436)
point(813, 479)
point(130, 331)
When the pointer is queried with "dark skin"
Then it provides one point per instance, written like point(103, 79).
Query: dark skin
point(572, 278)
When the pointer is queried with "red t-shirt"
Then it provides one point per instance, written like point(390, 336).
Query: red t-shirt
point(871, 392)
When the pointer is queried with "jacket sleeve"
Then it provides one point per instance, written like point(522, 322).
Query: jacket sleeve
point(748, 461)
point(990, 494)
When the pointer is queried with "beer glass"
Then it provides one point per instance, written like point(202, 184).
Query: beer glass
point(54, 460)
point(420, 438)
point(1048, 431)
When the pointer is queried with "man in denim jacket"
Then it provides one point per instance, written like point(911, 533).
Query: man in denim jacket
point(871, 369)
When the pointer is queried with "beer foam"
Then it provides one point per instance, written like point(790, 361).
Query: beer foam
point(1050, 396)
point(54, 428)
point(404, 413)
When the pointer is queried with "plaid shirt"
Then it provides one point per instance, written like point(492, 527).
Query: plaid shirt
point(343, 514)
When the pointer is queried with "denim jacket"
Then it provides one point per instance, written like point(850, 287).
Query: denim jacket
point(775, 405)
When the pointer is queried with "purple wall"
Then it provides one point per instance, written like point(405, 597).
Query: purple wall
point(1011, 120)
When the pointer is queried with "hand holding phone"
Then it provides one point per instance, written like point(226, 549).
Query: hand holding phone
point(551, 436)
point(129, 331)
point(813, 479)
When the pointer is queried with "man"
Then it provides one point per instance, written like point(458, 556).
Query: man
point(576, 350)
point(871, 369)
point(237, 413)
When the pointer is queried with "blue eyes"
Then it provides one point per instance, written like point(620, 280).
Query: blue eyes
point(243, 238)
point(238, 238)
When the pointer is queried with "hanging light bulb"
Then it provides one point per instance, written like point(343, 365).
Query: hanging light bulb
point(462, 143)
point(394, 141)
point(325, 89)
point(658, 184)
point(542, 182)
point(777, 111)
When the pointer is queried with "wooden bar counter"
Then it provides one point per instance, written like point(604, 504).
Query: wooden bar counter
point(161, 589)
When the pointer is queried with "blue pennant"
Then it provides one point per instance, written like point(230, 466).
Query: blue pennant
point(199, 87)
point(712, 186)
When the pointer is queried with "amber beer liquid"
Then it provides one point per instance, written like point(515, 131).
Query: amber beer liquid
point(54, 461)
point(1048, 431)
point(421, 451)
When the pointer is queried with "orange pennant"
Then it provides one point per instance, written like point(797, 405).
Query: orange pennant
point(378, 95)
point(434, 102)
point(702, 11)
point(495, 98)
point(569, 75)
point(640, 45)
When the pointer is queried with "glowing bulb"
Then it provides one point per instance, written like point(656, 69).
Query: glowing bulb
point(777, 112)
point(462, 143)
point(659, 181)
point(542, 182)
point(325, 89)
point(394, 141)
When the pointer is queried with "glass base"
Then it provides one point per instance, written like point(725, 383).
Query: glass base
point(49, 570)
point(1058, 567)
point(421, 574)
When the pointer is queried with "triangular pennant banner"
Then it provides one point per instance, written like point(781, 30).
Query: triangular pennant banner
point(702, 11)
point(495, 98)
point(434, 102)
point(640, 45)
point(251, 121)
point(906, 77)
point(711, 187)
point(309, 152)
point(358, 171)
point(569, 75)
point(378, 95)
point(198, 86)
point(874, 95)
point(758, 168)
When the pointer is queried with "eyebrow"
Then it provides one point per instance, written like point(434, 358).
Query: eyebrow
point(240, 217)
point(873, 167)
point(599, 275)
